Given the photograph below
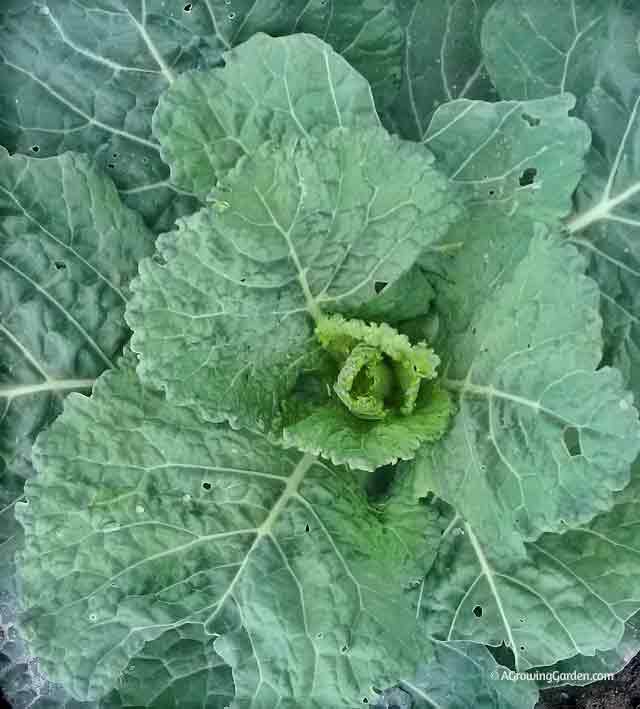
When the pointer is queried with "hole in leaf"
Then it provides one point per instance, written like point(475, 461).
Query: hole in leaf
point(477, 611)
point(60, 265)
point(206, 485)
point(110, 165)
point(114, 155)
point(35, 148)
point(188, 7)
point(522, 648)
point(492, 193)
point(531, 120)
point(365, 700)
point(528, 176)
point(242, 280)
point(379, 286)
point(571, 439)
point(344, 649)
point(306, 528)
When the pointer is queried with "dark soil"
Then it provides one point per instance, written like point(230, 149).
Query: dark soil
point(622, 692)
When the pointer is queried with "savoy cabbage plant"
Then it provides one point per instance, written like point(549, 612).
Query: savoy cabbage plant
point(319, 347)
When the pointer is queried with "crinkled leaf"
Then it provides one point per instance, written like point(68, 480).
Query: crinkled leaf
point(207, 121)
point(442, 61)
point(570, 593)
point(68, 249)
point(226, 320)
point(333, 432)
point(534, 412)
point(464, 675)
point(147, 522)
point(544, 48)
point(80, 77)
point(520, 156)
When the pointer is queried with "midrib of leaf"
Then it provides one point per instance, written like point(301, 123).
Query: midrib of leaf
point(489, 575)
point(51, 385)
point(266, 528)
point(490, 392)
point(153, 50)
point(603, 210)
point(312, 305)
point(115, 66)
point(416, 691)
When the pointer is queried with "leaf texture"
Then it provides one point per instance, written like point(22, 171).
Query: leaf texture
point(442, 62)
point(536, 412)
point(226, 320)
point(207, 121)
point(148, 525)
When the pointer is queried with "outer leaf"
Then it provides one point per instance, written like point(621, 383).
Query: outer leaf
point(521, 156)
point(601, 65)
point(526, 377)
point(67, 251)
point(368, 34)
point(465, 675)
point(608, 224)
point(442, 61)
point(207, 121)
point(146, 521)
point(571, 593)
point(546, 48)
point(610, 661)
point(87, 77)
point(333, 432)
point(227, 320)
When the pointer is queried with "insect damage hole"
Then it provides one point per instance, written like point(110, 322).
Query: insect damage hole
point(379, 286)
point(571, 439)
point(188, 7)
point(35, 148)
point(533, 121)
point(206, 485)
point(528, 176)
point(477, 611)
point(60, 265)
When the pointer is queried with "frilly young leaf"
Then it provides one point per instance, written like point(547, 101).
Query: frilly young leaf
point(146, 522)
point(528, 379)
point(225, 317)
point(333, 432)
point(207, 121)
point(381, 407)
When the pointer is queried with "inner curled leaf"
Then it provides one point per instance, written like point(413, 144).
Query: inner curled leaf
point(381, 371)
